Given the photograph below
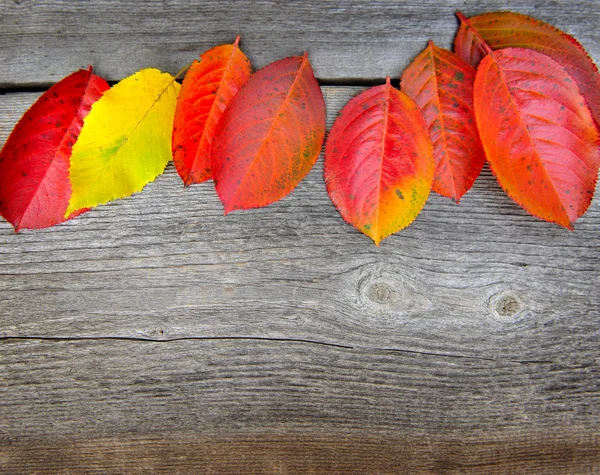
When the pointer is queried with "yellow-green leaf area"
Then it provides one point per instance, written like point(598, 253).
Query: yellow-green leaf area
point(125, 142)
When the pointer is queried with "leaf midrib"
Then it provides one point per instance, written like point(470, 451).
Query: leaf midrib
point(56, 153)
point(530, 138)
point(210, 114)
point(122, 144)
point(230, 208)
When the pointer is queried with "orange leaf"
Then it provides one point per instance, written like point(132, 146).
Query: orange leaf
point(379, 162)
point(209, 86)
point(270, 136)
point(538, 134)
point(508, 29)
point(442, 86)
point(34, 163)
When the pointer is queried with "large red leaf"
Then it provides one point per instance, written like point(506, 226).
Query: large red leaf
point(508, 29)
point(379, 162)
point(538, 134)
point(442, 85)
point(270, 135)
point(206, 91)
point(34, 163)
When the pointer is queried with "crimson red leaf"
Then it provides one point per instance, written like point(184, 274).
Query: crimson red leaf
point(206, 91)
point(442, 85)
point(379, 162)
point(538, 133)
point(34, 163)
point(507, 29)
point(270, 135)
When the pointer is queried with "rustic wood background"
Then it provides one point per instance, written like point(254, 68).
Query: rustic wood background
point(155, 335)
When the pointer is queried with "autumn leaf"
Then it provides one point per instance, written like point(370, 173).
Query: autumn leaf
point(379, 161)
point(125, 141)
point(206, 91)
point(270, 135)
point(538, 134)
point(34, 162)
point(507, 29)
point(442, 86)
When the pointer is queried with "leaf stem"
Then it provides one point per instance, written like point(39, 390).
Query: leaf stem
point(184, 69)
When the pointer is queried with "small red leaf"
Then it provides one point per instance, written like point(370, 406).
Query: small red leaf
point(442, 86)
point(538, 133)
point(270, 135)
point(379, 162)
point(209, 86)
point(507, 29)
point(34, 163)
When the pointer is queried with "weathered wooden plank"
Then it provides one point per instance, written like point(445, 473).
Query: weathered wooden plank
point(265, 406)
point(41, 42)
point(155, 335)
point(494, 315)
point(300, 453)
point(482, 279)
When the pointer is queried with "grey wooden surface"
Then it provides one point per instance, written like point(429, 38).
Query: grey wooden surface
point(155, 335)
point(348, 40)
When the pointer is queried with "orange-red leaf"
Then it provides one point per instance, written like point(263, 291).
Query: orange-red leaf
point(508, 29)
point(538, 134)
point(442, 85)
point(209, 86)
point(270, 135)
point(379, 162)
point(34, 163)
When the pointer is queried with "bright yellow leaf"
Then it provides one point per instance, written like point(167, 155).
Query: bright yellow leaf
point(125, 142)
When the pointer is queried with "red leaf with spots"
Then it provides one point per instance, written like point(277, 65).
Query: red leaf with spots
point(34, 163)
point(209, 86)
point(442, 85)
point(538, 133)
point(507, 29)
point(379, 162)
point(270, 135)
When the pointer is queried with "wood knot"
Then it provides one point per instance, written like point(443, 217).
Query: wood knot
point(381, 293)
point(507, 306)
point(388, 296)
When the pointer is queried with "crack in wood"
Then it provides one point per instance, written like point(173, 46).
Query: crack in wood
point(273, 340)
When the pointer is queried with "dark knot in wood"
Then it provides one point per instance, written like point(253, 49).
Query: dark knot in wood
point(381, 293)
point(508, 306)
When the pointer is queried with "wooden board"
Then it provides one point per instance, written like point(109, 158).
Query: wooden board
point(349, 41)
point(231, 406)
point(155, 335)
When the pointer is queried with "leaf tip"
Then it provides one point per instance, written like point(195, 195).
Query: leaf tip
point(227, 208)
point(237, 40)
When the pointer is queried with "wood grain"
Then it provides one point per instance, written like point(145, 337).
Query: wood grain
point(156, 317)
point(482, 279)
point(300, 453)
point(41, 42)
point(288, 407)
point(155, 335)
